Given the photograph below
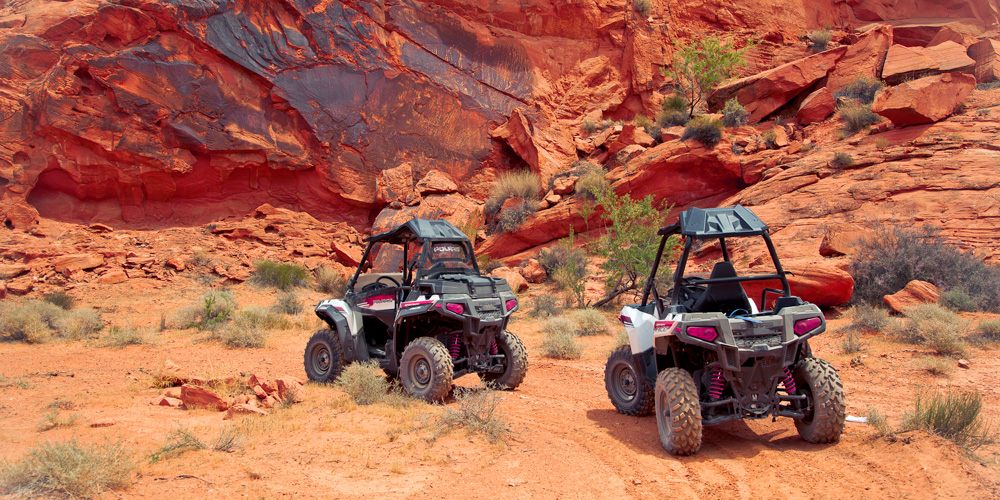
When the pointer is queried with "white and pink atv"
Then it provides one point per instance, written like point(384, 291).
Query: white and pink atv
point(429, 319)
point(705, 354)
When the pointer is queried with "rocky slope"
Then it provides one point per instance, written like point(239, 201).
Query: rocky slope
point(140, 114)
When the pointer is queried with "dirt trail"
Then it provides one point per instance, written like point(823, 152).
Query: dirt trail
point(568, 442)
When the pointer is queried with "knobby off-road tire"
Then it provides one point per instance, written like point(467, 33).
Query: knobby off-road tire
point(678, 413)
point(627, 388)
point(426, 369)
point(819, 382)
point(324, 356)
point(515, 363)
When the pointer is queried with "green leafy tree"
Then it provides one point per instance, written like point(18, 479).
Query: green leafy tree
point(630, 243)
point(702, 65)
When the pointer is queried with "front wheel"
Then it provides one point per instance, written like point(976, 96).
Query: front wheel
point(678, 413)
point(515, 363)
point(627, 389)
point(825, 411)
point(426, 369)
point(324, 356)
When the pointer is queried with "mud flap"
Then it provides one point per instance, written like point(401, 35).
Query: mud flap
point(354, 348)
point(646, 362)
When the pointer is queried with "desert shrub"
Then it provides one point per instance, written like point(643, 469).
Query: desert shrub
point(881, 143)
point(734, 114)
point(934, 326)
point(79, 324)
point(179, 441)
point(955, 416)
point(591, 181)
point(852, 343)
point(228, 440)
point(59, 298)
point(544, 306)
point(282, 276)
point(571, 274)
point(892, 256)
point(707, 131)
point(557, 255)
point(68, 469)
point(121, 336)
point(643, 122)
point(862, 90)
point(30, 321)
point(856, 116)
point(957, 299)
point(819, 39)
point(867, 318)
point(251, 327)
point(523, 184)
point(590, 126)
point(330, 281)
point(621, 338)
point(988, 85)
point(288, 303)
point(364, 382)
point(509, 220)
point(478, 413)
point(54, 420)
point(936, 366)
point(675, 102)
point(989, 330)
point(490, 265)
point(667, 119)
point(213, 310)
point(699, 66)
point(590, 322)
point(770, 139)
point(643, 7)
point(559, 341)
point(842, 159)
point(878, 422)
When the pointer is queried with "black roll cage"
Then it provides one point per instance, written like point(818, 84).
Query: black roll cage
point(404, 240)
point(691, 235)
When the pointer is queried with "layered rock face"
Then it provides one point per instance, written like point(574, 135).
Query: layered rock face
point(180, 112)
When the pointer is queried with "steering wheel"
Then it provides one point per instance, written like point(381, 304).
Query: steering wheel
point(390, 278)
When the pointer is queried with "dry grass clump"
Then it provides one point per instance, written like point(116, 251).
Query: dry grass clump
point(330, 281)
point(60, 298)
point(862, 90)
point(866, 318)
point(989, 330)
point(819, 39)
point(282, 276)
point(707, 131)
point(364, 382)
point(642, 7)
point(288, 303)
point(54, 420)
point(936, 366)
point(559, 341)
point(933, 326)
point(842, 159)
point(524, 185)
point(69, 469)
point(30, 321)
point(591, 181)
point(121, 336)
point(478, 413)
point(955, 416)
point(544, 306)
point(856, 116)
point(79, 324)
point(251, 327)
point(590, 322)
point(852, 343)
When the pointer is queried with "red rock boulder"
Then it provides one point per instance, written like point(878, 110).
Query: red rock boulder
point(436, 182)
point(903, 62)
point(195, 396)
point(533, 272)
point(816, 107)
point(914, 293)
point(290, 388)
point(394, 184)
point(987, 56)
point(926, 100)
point(514, 279)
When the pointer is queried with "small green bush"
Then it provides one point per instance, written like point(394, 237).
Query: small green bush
point(642, 7)
point(590, 322)
point(862, 90)
point(330, 282)
point(819, 39)
point(121, 336)
point(559, 341)
point(955, 416)
point(508, 220)
point(59, 298)
point(707, 131)
point(213, 310)
point(936, 366)
point(957, 299)
point(364, 382)
point(734, 114)
point(842, 159)
point(251, 328)
point(676, 102)
point(282, 276)
point(288, 303)
point(544, 306)
point(856, 117)
point(70, 469)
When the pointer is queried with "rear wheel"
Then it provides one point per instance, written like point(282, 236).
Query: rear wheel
point(324, 356)
point(426, 369)
point(825, 411)
point(627, 389)
point(678, 413)
point(515, 363)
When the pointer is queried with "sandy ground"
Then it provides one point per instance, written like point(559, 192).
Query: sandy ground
point(567, 440)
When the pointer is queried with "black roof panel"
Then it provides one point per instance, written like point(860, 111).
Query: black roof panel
point(438, 230)
point(721, 222)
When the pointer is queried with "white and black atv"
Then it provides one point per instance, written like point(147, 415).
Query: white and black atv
point(704, 354)
point(432, 320)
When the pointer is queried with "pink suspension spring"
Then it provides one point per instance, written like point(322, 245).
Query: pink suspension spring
point(718, 383)
point(456, 345)
point(788, 382)
point(494, 349)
